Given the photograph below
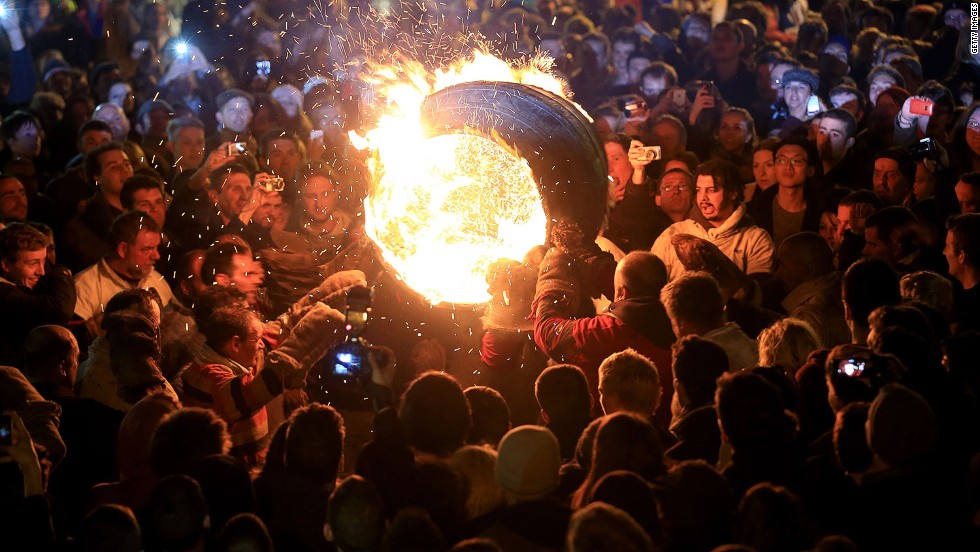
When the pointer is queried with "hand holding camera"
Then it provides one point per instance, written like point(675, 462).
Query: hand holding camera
point(915, 107)
point(270, 183)
point(703, 100)
point(236, 148)
point(640, 156)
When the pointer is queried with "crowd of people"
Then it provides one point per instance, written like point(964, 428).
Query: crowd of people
point(769, 345)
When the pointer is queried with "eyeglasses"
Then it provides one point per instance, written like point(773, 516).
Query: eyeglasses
point(670, 188)
point(797, 162)
point(973, 125)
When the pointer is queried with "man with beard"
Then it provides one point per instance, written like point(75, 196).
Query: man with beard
point(326, 228)
point(635, 221)
point(133, 239)
point(726, 224)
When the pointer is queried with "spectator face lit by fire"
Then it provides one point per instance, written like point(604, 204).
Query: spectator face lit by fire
point(319, 198)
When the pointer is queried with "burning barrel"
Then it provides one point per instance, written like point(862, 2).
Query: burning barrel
point(492, 167)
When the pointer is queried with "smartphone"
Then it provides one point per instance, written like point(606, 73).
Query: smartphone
point(679, 97)
point(263, 67)
point(851, 367)
point(316, 135)
point(6, 430)
point(921, 107)
point(237, 148)
point(633, 106)
point(813, 105)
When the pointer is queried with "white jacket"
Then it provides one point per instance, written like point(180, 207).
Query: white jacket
point(748, 246)
point(98, 283)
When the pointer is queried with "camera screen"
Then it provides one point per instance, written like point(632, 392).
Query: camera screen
point(6, 434)
point(851, 367)
point(263, 67)
point(346, 363)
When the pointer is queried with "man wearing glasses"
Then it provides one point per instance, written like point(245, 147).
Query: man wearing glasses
point(788, 207)
point(723, 221)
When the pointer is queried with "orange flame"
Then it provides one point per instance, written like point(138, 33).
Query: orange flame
point(443, 208)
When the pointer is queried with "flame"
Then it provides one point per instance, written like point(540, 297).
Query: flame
point(443, 208)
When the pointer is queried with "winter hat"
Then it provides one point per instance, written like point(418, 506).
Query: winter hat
point(232, 93)
point(53, 67)
point(896, 93)
point(805, 76)
point(101, 69)
point(528, 460)
point(839, 39)
point(286, 92)
point(905, 160)
point(951, 5)
point(901, 426)
point(150, 105)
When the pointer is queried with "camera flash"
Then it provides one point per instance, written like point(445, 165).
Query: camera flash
point(181, 49)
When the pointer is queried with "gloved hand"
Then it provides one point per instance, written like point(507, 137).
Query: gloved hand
point(333, 289)
point(307, 343)
point(558, 281)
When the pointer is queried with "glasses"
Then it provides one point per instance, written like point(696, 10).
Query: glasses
point(670, 188)
point(797, 163)
point(973, 125)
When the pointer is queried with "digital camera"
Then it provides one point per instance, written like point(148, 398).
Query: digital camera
point(273, 184)
point(923, 149)
point(852, 367)
point(237, 148)
point(348, 359)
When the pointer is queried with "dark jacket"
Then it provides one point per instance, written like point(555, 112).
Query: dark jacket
point(698, 436)
point(51, 301)
point(636, 221)
point(83, 242)
point(761, 210)
point(193, 220)
point(853, 171)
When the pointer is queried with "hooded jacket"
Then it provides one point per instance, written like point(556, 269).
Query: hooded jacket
point(747, 245)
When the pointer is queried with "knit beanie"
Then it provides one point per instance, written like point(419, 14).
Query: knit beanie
point(905, 160)
point(805, 76)
point(528, 460)
point(901, 426)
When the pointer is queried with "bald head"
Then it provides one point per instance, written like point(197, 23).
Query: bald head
point(640, 274)
point(51, 355)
